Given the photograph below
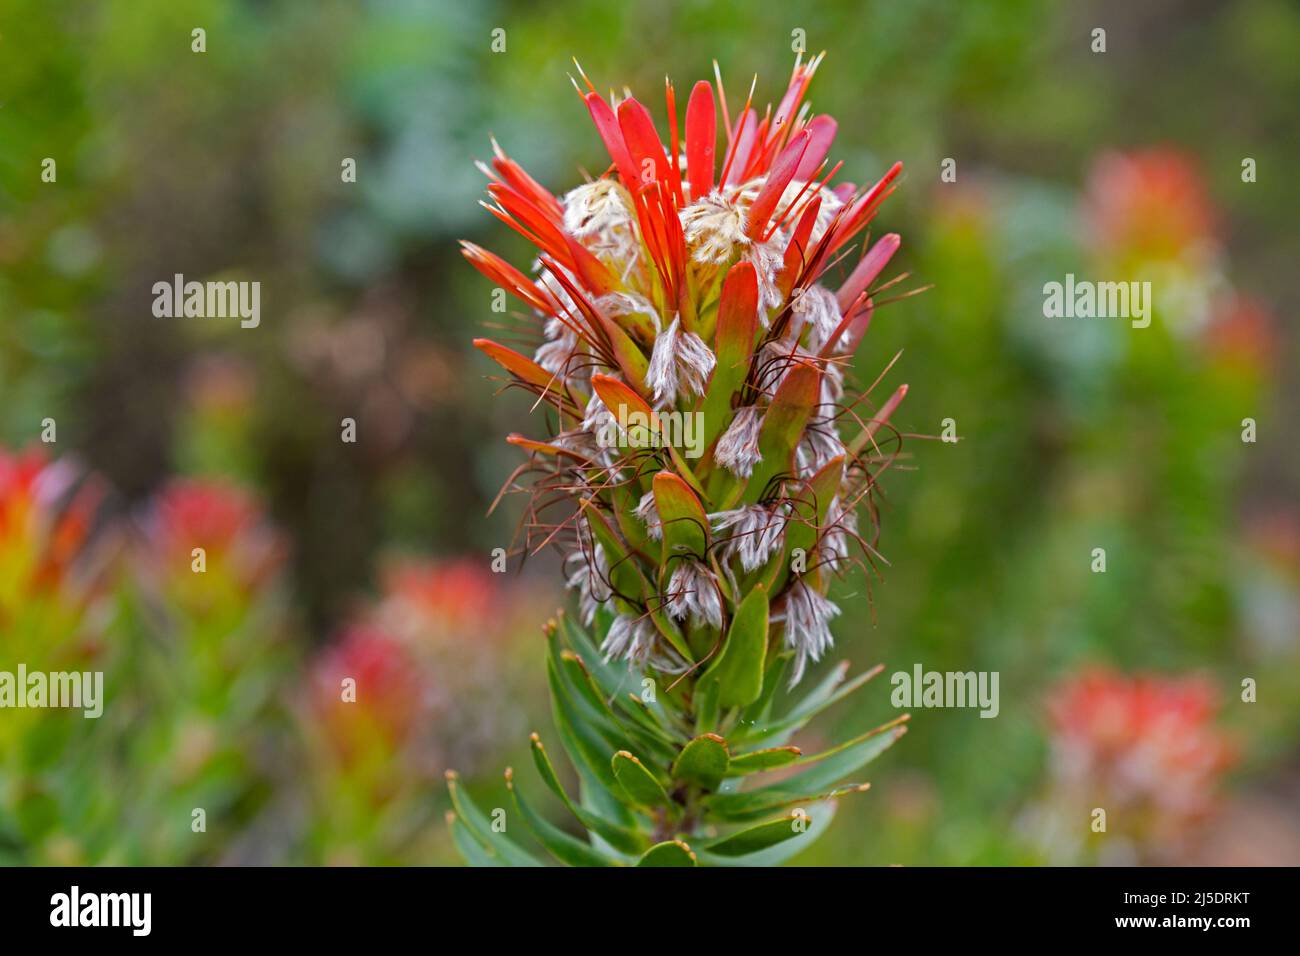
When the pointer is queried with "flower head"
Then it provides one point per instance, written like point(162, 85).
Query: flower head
point(48, 567)
point(686, 328)
point(1145, 747)
point(208, 545)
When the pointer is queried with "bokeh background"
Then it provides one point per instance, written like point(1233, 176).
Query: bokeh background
point(1121, 690)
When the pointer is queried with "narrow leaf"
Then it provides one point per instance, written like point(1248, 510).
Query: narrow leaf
point(738, 670)
point(619, 837)
point(757, 761)
point(761, 837)
point(565, 848)
point(478, 824)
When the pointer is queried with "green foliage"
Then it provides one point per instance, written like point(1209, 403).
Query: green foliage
point(665, 799)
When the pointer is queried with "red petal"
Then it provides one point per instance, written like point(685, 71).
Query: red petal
point(796, 253)
point(863, 208)
point(821, 133)
point(778, 178)
point(643, 144)
point(739, 157)
point(701, 139)
point(507, 276)
point(867, 270)
point(612, 136)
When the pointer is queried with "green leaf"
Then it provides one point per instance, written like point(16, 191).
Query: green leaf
point(824, 770)
point(626, 577)
point(682, 518)
point(758, 714)
point(738, 671)
point(782, 427)
point(475, 854)
point(616, 681)
point(759, 760)
point(819, 816)
point(753, 804)
point(585, 747)
point(819, 699)
point(832, 765)
point(811, 503)
point(624, 571)
point(637, 782)
point(619, 734)
point(703, 762)
point(620, 838)
point(480, 827)
point(669, 853)
point(733, 347)
point(623, 496)
point(760, 837)
point(565, 848)
point(707, 711)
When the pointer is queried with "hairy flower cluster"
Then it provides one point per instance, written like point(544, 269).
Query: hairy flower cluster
point(689, 280)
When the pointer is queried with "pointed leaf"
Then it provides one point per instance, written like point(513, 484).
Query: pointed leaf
point(480, 827)
point(818, 816)
point(565, 848)
point(759, 760)
point(602, 115)
point(475, 854)
point(778, 177)
point(831, 766)
point(619, 837)
point(752, 805)
point(783, 425)
point(811, 504)
point(643, 143)
point(825, 695)
point(507, 276)
point(738, 670)
point(584, 745)
point(761, 837)
point(733, 345)
point(821, 133)
point(632, 411)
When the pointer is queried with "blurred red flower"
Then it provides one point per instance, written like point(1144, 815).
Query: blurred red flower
point(1149, 205)
point(242, 553)
point(1146, 748)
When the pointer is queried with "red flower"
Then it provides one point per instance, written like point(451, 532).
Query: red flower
point(1149, 205)
point(241, 552)
point(383, 701)
point(1242, 334)
point(1143, 745)
point(454, 597)
point(46, 521)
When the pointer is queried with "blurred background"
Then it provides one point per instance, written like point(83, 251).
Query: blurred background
point(125, 439)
